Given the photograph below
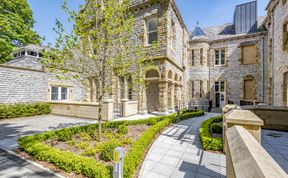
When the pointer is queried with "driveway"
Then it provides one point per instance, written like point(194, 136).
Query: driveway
point(177, 153)
point(12, 129)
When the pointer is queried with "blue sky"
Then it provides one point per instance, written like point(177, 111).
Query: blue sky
point(207, 12)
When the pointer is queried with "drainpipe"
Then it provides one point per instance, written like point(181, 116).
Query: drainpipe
point(273, 25)
point(263, 71)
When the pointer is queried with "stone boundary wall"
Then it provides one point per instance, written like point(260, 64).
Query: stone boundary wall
point(83, 110)
point(22, 85)
point(275, 118)
point(246, 157)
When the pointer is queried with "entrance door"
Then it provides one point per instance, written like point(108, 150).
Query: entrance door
point(219, 94)
point(152, 94)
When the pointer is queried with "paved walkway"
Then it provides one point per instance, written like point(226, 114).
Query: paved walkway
point(276, 144)
point(177, 153)
point(12, 166)
point(12, 129)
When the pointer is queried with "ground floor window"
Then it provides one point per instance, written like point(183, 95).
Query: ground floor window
point(219, 90)
point(59, 93)
point(249, 89)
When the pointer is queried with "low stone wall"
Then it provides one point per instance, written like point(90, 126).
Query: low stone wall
point(274, 118)
point(129, 108)
point(246, 157)
point(83, 110)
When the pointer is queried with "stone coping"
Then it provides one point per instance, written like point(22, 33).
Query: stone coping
point(249, 158)
point(229, 107)
point(266, 107)
point(21, 68)
point(244, 117)
point(75, 103)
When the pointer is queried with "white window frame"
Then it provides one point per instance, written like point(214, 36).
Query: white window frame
point(220, 57)
point(153, 31)
point(59, 93)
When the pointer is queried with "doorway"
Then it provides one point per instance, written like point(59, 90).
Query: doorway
point(152, 94)
point(219, 94)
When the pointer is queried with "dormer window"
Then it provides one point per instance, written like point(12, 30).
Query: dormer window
point(18, 54)
point(32, 53)
point(152, 30)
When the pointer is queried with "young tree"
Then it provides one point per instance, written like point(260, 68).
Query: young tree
point(16, 22)
point(102, 46)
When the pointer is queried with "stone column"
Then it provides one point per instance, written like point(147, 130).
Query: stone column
point(163, 96)
point(176, 99)
point(172, 97)
point(125, 88)
point(143, 101)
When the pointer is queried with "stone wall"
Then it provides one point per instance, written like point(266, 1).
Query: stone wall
point(277, 16)
point(233, 72)
point(22, 85)
point(19, 85)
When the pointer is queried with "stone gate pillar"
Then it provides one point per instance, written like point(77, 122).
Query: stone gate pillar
point(163, 96)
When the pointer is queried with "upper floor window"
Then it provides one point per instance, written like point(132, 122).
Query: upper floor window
point(59, 93)
point(220, 57)
point(152, 32)
point(201, 89)
point(193, 57)
point(173, 35)
point(285, 36)
point(201, 56)
point(192, 88)
point(249, 54)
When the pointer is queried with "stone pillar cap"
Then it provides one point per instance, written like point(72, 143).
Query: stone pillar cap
point(243, 117)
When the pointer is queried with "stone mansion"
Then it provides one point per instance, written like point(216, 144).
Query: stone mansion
point(244, 62)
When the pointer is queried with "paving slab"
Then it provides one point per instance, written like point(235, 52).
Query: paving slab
point(12, 129)
point(276, 144)
point(177, 153)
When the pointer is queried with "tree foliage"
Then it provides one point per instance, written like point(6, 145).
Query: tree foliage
point(16, 22)
point(102, 46)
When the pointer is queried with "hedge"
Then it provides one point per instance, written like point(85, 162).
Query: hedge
point(8, 111)
point(209, 142)
point(90, 167)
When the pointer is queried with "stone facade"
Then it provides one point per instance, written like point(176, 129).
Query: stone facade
point(24, 80)
point(179, 80)
point(278, 56)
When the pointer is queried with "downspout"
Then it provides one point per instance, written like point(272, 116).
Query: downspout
point(272, 87)
point(263, 71)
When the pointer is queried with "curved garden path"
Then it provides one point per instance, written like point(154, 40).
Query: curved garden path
point(177, 153)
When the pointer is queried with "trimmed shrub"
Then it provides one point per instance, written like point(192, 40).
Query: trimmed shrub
point(8, 111)
point(89, 167)
point(216, 128)
point(152, 121)
point(107, 150)
point(209, 142)
point(122, 129)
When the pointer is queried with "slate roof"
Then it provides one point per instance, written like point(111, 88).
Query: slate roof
point(226, 31)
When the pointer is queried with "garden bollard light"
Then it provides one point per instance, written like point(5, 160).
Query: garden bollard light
point(118, 162)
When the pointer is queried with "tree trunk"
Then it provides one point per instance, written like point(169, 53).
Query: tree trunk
point(100, 121)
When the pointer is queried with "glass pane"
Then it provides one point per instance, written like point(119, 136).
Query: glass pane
point(54, 93)
point(222, 97)
point(152, 37)
point(64, 93)
point(222, 86)
point(216, 86)
point(152, 24)
point(216, 61)
point(216, 54)
point(222, 56)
